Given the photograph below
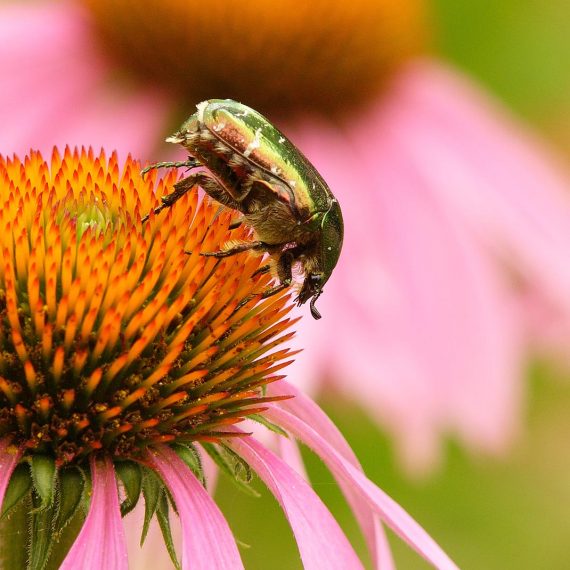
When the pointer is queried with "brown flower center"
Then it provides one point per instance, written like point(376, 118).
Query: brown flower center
point(279, 57)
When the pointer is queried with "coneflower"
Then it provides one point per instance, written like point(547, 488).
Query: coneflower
point(126, 357)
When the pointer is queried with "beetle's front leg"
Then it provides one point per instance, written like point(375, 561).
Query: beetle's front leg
point(239, 248)
point(190, 162)
point(284, 272)
point(202, 179)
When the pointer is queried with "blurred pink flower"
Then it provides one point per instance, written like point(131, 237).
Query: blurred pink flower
point(454, 220)
point(464, 238)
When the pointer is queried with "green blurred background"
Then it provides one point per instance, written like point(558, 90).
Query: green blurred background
point(491, 514)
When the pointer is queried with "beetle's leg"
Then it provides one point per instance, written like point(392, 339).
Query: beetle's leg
point(190, 162)
point(222, 195)
point(235, 225)
point(262, 270)
point(239, 248)
point(202, 179)
point(284, 272)
point(180, 188)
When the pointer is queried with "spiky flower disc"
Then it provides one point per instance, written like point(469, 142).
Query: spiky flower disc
point(112, 338)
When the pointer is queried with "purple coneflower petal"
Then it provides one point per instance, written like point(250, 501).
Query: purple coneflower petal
point(9, 457)
point(307, 410)
point(390, 512)
point(321, 542)
point(429, 329)
point(498, 175)
point(207, 541)
point(101, 543)
point(63, 87)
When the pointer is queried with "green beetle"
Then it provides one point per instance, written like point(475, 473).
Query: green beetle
point(242, 161)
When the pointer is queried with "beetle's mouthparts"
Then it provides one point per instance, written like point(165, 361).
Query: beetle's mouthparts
point(314, 312)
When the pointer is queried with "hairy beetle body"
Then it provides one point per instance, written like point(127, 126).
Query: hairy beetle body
point(241, 160)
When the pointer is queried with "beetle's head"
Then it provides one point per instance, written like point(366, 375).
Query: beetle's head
point(326, 257)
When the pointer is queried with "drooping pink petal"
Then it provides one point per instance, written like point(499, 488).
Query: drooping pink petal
point(422, 328)
point(308, 411)
point(101, 543)
point(207, 541)
point(390, 512)
point(61, 89)
point(9, 457)
point(499, 177)
point(321, 542)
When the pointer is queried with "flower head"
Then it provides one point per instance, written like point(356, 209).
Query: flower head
point(126, 356)
point(113, 337)
point(444, 197)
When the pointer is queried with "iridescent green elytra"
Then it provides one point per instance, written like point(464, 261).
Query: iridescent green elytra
point(241, 160)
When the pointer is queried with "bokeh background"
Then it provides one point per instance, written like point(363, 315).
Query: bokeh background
point(505, 510)
point(492, 514)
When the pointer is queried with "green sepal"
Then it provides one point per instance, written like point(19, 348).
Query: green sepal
point(19, 486)
point(71, 489)
point(189, 454)
point(233, 465)
point(163, 517)
point(44, 475)
point(130, 474)
point(87, 491)
point(42, 535)
point(261, 419)
point(152, 490)
point(14, 530)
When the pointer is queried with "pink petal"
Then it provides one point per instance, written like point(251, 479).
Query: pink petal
point(207, 541)
point(101, 542)
point(290, 453)
point(321, 542)
point(61, 90)
point(414, 297)
point(9, 457)
point(308, 411)
point(390, 512)
point(516, 196)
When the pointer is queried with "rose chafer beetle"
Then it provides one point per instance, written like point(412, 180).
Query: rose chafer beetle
point(242, 161)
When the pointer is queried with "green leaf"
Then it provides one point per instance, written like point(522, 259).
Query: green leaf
point(189, 454)
point(233, 465)
point(130, 474)
point(164, 521)
point(152, 490)
point(44, 476)
point(260, 419)
point(19, 486)
point(71, 487)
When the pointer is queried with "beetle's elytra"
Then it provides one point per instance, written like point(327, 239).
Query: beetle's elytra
point(241, 160)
